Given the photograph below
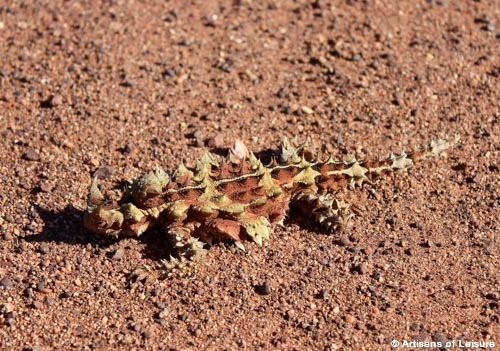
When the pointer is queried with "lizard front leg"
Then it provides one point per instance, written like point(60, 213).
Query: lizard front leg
point(189, 249)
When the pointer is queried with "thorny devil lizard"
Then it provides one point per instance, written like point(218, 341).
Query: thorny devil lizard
point(239, 198)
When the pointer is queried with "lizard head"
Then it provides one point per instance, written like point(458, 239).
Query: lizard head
point(110, 218)
point(104, 221)
point(98, 217)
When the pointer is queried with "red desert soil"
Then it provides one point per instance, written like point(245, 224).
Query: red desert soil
point(117, 87)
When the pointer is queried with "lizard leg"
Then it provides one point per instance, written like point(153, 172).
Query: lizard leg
point(189, 249)
point(329, 211)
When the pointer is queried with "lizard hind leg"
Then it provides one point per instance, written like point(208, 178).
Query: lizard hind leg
point(330, 211)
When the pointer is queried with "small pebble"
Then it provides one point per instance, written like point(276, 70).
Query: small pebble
point(7, 236)
point(104, 172)
point(37, 305)
point(318, 4)
point(283, 92)
point(409, 252)
point(197, 332)
point(65, 295)
point(362, 268)
point(323, 294)
point(263, 289)
point(10, 321)
point(9, 218)
point(164, 313)
point(45, 187)
point(48, 301)
point(344, 241)
point(415, 327)
point(349, 319)
point(92, 161)
point(55, 100)
point(118, 255)
point(216, 141)
point(307, 110)
point(6, 308)
point(40, 286)
point(6, 283)
point(31, 155)
point(43, 249)
point(28, 292)
point(182, 317)
point(128, 148)
point(428, 243)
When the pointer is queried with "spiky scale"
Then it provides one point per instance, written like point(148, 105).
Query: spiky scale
point(307, 175)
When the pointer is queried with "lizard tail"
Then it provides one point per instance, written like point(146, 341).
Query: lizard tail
point(351, 172)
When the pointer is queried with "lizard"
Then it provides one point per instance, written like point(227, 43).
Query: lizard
point(238, 198)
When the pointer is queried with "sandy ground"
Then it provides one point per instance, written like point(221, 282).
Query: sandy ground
point(117, 87)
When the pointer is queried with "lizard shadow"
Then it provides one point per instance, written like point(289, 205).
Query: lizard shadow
point(63, 226)
point(66, 226)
